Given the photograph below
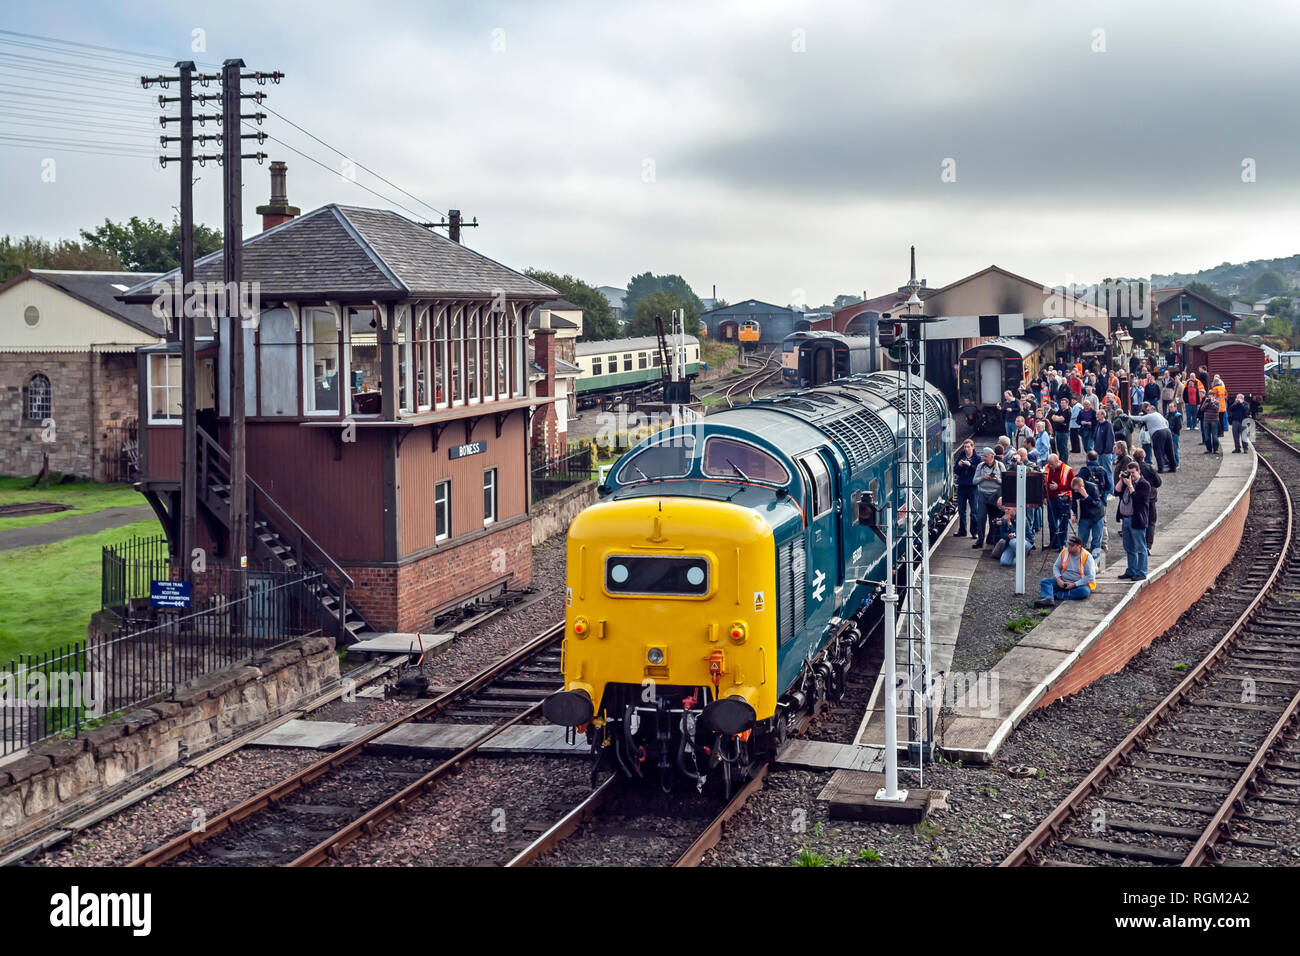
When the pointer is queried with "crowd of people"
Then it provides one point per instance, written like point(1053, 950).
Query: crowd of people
point(1122, 448)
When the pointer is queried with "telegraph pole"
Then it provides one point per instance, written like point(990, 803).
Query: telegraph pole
point(454, 223)
point(186, 536)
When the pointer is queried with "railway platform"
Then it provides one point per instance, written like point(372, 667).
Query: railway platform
point(996, 659)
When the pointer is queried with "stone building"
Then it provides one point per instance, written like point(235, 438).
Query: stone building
point(68, 372)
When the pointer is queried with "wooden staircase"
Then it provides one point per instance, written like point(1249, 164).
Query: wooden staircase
point(281, 542)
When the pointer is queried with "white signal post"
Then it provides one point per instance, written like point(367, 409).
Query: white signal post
point(890, 791)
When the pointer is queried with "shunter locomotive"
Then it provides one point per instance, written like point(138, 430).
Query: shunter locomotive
point(719, 588)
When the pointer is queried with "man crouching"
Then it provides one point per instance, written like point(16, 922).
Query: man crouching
point(1074, 576)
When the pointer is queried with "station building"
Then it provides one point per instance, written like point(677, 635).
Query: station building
point(388, 403)
point(67, 372)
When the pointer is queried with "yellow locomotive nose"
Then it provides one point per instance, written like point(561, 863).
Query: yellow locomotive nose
point(670, 593)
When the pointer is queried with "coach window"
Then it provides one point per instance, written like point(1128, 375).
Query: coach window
point(730, 458)
point(442, 510)
point(641, 360)
point(819, 483)
point(595, 366)
point(627, 361)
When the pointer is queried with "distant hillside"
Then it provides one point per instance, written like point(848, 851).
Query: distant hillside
point(1241, 279)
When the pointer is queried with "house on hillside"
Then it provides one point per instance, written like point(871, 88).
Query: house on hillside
point(1182, 310)
point(68, 372)
point(615, 295)
point(387, 394)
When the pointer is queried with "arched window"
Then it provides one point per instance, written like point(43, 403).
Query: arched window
point(37, 399)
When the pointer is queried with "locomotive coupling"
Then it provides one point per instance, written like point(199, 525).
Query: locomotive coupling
point(569, 708)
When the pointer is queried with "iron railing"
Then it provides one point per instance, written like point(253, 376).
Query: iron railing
point(119, 459)
point(62, 691)
point(553, 475)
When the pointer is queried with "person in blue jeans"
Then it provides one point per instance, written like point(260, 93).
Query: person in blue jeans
point(1005, 549)
point(1074, 576)
point(1090, 508)
point(1134, 510)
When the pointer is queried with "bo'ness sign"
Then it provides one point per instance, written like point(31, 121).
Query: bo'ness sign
point(464, 451)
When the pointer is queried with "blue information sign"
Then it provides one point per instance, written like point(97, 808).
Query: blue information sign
point(169, 594)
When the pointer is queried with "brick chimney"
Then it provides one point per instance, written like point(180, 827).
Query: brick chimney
point(545, 422)
point(278, 210)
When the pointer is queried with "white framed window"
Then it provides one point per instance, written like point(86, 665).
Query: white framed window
point(164, 389)
point(596, 366)
point(40, 397)
point(489, 496)
point(627, 361)
point(440, 368)
point(422, 353)
point(458, 356)
point(321, 371)
point(441, 510)
point(641, 361)
point(472, 323)
point(518, 346)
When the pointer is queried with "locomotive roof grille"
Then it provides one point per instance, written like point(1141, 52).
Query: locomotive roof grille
point(862, 436)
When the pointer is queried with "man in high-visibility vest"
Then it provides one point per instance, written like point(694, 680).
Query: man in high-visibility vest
point(1074, 576)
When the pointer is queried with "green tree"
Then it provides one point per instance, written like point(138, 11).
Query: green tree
point(647, 282)
point(30, 252)
point(1250, 326)
point(1276, 325)
point(842, 300)
point(660, 303)
point(1205, 292)
point(1269, 282)
point(146, 245)
point(598, 320)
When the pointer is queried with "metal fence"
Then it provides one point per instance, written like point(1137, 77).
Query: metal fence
point(120, 455)
point(61, 692)
point(553, 475)
point(127, 568)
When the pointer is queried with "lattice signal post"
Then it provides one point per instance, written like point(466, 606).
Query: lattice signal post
point(904, 335)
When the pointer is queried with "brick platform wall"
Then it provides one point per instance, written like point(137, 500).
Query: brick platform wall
point(404, 598)
point(1157, 607)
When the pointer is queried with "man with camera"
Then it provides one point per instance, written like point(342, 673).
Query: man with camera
point(1134, 494)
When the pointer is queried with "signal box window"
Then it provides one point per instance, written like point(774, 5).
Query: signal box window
point(442, 510)
point(489, 496)
point(667, 459)
point(729, 458)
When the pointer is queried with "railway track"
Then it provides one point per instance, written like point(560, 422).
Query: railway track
point(750, 382)
point(1200, 779)
point(307, 817)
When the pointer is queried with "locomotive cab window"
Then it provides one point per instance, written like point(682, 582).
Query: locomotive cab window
point(667, 459)
point(818, 479)
point(642, 574)
point(729, 458)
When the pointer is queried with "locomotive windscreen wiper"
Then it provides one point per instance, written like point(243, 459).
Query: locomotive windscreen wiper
point(744, 476)
point(632, 464)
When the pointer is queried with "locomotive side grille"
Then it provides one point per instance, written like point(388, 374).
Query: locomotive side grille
point(791, 581)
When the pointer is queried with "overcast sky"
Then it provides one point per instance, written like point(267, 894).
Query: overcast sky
point(776, 149)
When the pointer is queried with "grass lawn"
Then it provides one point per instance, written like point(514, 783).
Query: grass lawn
point(48, 592)
point(84, 497)
point(1284, 425)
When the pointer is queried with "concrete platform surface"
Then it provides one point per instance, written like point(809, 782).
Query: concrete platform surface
point(313, 734)
point(395, 642)
point(447, 739)
point(1046, 653)
point(820, 755)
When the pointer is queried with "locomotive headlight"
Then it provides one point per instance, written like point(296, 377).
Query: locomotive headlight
point(737, 632)
point(580, 627)
point(655, 656)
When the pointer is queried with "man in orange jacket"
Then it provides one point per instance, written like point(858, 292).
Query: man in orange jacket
point(1059, 477)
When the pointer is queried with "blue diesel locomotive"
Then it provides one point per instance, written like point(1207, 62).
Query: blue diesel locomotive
point(717, 590)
